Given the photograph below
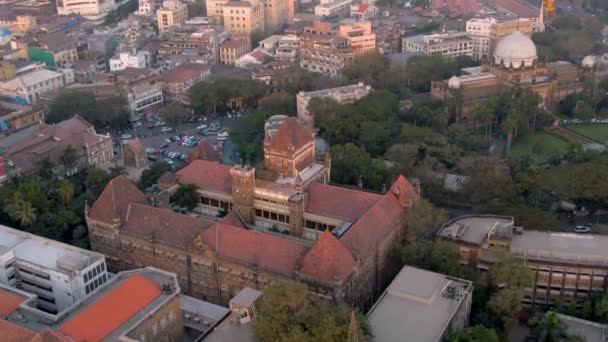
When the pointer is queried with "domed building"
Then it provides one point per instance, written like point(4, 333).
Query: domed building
point(514, 62)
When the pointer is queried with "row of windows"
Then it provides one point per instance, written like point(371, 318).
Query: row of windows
point(272, 216)
point(39, 275)
point(318, 225)
point(96, 283)
point(39, 286)
point(212, 202)
point(94, 272)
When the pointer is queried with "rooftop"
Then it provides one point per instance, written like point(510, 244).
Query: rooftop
point(566, 247)
point(45, 252)
point(330, 91)
point(590, 331)
point(184, 72)
point(207, 175)
point(418, 304)
point(200, 315)
point(474, 229)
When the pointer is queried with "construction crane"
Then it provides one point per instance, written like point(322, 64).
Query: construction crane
point(549, 7)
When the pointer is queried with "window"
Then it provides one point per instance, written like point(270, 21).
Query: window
point(86, 277)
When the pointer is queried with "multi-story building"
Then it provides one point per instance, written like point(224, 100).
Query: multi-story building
point(144, 305)
point(275, 14)
point(388, 34)
point(54, 49)
point(146, 7)
point(346, 94)
point(15, 117)
point(288, 49)
point(27, 88)
point(243, 16)
point(177, 81)
point(94, 10)
point(486, 32)
point(333, 8)
point(35, 7)
point(359, 34)
point(172, 13)
point(364, 11)
point(189, 44)
point(231, 50)
point(123, 60)
point(8, 71)
point(24, 23)
point(324, 54)
point(44, 141)
point(567, 267)
point(334, 239)
point(452, 44)
point(215, 9)
point(429, 306)
point(59, 274)
point(142, 87)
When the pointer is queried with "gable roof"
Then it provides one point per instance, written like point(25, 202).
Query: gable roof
point(338, 202)
point(380, 219)
point(203, 151)
point(184, 72)
point(164, 224)
point(207, 176)
point(115, 199)
point(136, 146)
point(291, 133)
point(269, 252)
point(328, 260)
point(232, 219)
point(112, 310)
point(9, 302)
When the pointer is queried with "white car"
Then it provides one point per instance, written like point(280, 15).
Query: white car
point(580, 229)
point(201, 126)
point(166, 129)
point(126, 136)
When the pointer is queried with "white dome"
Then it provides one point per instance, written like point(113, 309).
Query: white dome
point(588, 62)
point(515, 50)
point(454, 82)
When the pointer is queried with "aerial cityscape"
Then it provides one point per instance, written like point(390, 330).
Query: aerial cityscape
point(304, 170)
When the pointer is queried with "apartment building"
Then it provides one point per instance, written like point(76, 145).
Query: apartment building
point(177, 81)
point(486, 32)
point(24, 23)
point(324, 54)
point(275, 14)
point(172, 13)
point(359, 34)
point(288, 49)
point(59, 274)
point(94, 10)
point(190, 44)
point(343, 95)
point(452, 44)
point(15, 117)
point(231, 50)
point(27, 88)
point(142, 88)
point(243, 16)
point(54, 49)
point(568, 267)
point(333, 8)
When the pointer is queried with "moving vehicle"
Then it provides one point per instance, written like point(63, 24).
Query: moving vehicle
point(580, 229)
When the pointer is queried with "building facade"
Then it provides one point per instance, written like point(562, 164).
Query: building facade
point(486, 32)
point(333, 8)
point(142, 87)
point(29, 87)
point(360, 36)
point(324, 54)
point(343, 95)
point(124, 60)
point(172, 13)
point(243, 16)
point(452, 44)
point(15, 117)
point(177, 81)
point(92, 10)
point(231, 50)
point(190, 44)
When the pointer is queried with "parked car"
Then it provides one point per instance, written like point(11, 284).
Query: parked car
point(168, 141)
point(203, 126)
point(126, 136)
point(166, 129)
point(580, 229)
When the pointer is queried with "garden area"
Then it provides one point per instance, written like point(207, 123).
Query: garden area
point(538, 146)
point(596, 132)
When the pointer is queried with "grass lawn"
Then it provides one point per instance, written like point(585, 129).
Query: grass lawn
point(540, 146)
point(597, 132)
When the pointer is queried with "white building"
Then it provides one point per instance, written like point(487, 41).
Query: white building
point(28, 87)
point(450, 44)
point(343, 95)
point(59, 274)
point(124, 60)
point(91, 9)
point(334, 8)
point(486, 32)
point(146, 7)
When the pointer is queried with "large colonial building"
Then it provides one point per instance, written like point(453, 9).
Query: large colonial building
point(284, 221)
point(513, 63)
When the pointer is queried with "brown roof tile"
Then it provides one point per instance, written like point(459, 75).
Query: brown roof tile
point(14, 333)
point(203, 151)
point(269, 252)
point(184, 72)
point(164, 224)
point(232, 219)
point(291, 133)
point(338, 202)
point(167, 178)
point(207, 175)
point(380, 219)
point(115, 199)
point(328, 260)
point(136, 146)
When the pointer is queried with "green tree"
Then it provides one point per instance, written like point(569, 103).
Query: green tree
point(505, 305)
point(174, 113)
point(68, 157)
point(197, 8)
point(111, 111)
point(477, 333)
point(549, 328)
point(280, 102)
point(21, 211)
point(96, 179)
point(510, 270)
point(151, 175)
point(45, 168)
point(66, 192)
point(186, 196)
point(423, 219)
point(601, 309)
point(117, 170)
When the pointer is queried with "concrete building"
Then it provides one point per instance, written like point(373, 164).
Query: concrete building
point(422, 305)
point(359, 34)
point(177, 81)
point(24, 23)
point(333, 8)
point(451, 44)
point(567, 267)
point(124, 60)
point(27, 88)
point(95, 10)
point(346, 94)
point(288, 49)
point(190, 44)
point(589, 331)
point(364, 11)
point(54, 49)
point(324, 54)
point(486, 32)
point(243, 16)
point(142, 87)
point(275, 14)
point(339, 239)
point(215, 10)
point(15, 117)
point(172, 13)
point(231, 50)
point(59, 274)
point(146, 7)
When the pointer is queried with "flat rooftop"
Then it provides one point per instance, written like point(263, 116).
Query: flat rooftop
point(590, 331)
point(200, 315)
point(474, 229)
point(328, 92)
point(44, 252)
point(566, 247)
point(418, 304)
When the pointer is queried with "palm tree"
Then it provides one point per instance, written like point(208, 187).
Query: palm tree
point(66, 192)
point(511, 127)
point(117, 170)
point(550, 328)
point(68, 157)
point(21, 210)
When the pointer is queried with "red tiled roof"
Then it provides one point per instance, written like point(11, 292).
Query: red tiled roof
point(203, 151)
point(259, 55)
point(363, 7)
point(380, 219)
point(115, 199)
point(519, 8)
point(291, 133)
point(167, 178)
point(269, 252)
point(136, 146)
point(338, 202)
point(233, 44)
point(184, 72)
point(9, 302)
point(12, 332)
point(164, 224)
point(49, 335)
point(108, 313)
point(232, 219)
point(207, 175)
point(328, 260)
